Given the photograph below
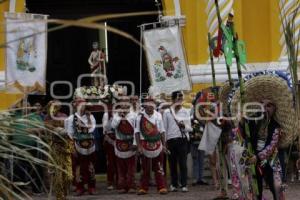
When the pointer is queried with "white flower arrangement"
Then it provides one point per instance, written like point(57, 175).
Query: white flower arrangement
point(107, 94)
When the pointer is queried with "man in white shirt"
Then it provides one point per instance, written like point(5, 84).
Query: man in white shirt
point(177, 125)
point(124, 122)
point(149, 135)
point(80, 127)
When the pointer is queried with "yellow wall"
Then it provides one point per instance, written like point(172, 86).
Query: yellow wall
point(7, 100)
point(257, 23)
point(260, 29)
point(194, 35)
point(238, 11)
point(275, 30)
point(168, 4)
point(256, 28)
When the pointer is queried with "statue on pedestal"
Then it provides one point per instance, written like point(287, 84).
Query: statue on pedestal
point(97, 65)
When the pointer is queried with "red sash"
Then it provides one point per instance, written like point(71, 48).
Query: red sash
point(148, 128)
point(151, 135)
point(123, 145)
point(125, 128)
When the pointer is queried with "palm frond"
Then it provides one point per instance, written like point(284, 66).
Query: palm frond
point(292, 39)
point(14, 152)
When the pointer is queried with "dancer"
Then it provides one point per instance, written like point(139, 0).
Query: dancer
point(61, 149)
point(80, 127)
point(264, 138)
point(149, 135)
point(124, 122)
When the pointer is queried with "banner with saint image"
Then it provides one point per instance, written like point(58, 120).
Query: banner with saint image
point(167, 65)
point(26, 53)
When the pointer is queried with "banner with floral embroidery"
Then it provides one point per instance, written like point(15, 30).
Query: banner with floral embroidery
point(167, 65)
point(26, 52)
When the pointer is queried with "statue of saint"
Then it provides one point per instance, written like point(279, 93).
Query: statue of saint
point(97, 65)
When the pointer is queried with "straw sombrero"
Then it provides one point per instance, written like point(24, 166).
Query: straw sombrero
point(275, 89)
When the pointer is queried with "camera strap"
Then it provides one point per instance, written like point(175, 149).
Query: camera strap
point(177, 123)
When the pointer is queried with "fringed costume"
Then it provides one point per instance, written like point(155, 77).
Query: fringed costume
point(126, 155)
point(149, 130)
point(80, 128)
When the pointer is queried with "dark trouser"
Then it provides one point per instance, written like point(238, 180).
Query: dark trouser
point(178, 149)
point(126, 171)
point(267, 174)
point(281, 156)
point(157, 167)
point(111, 164)
point(198, 162)
point(85, 171)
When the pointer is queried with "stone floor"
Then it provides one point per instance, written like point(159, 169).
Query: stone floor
point(195, 192)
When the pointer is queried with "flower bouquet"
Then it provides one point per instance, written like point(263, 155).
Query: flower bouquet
point(97, 96)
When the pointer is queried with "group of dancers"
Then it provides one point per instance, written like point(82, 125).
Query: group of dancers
point(151, 136)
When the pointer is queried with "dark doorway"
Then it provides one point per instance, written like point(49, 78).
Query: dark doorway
point(69, 48)
point(124, 55)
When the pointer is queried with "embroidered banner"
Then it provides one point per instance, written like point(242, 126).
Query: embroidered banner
point(26, 53)
point(166, 60)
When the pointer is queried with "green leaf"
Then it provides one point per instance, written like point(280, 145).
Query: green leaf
point(228, 52)
point(226, 32)
point(241, 50)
